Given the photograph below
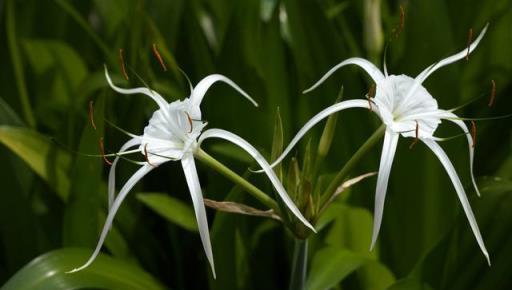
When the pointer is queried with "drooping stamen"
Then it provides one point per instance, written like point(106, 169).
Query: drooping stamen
point(470, 38)
point(189, 122)
point(473, 133)
point(146, 154)
point(416, 139)
point(91, 114)
point(371, 94)
point(121, 62)
point(159, 57)
point(402, 22)
point(102, 151)
point(493, 94)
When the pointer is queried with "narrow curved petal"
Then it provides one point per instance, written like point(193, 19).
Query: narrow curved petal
point(222, 134)
point(189, 168)
point(200, 90)
point(112, 172)
point(441, 155)
point(369, 67)
point(145, 91)
point(386, 161)
point(447, 115)
point(451, 59)
point(315, 120)
point(455, 119)
point(112, 212)
point(432, 68)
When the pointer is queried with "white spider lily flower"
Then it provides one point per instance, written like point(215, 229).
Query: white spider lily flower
point(407, 109)
point(172, 135)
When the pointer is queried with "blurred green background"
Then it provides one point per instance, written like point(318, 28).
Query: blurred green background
point(53, 202)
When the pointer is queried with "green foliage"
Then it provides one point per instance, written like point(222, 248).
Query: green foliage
point(49, 272)
point(172, 209)
point(52, 55)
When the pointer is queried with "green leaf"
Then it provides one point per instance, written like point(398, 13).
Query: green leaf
point(8, 116)
point(18, 63)
point(330, 265)
point(84, 24)
point(170, 208)
point(277, 143)
point(49, 162)
point(80, 226)
point(328, 134)
point(49, 272)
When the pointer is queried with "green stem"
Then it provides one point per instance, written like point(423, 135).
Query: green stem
point(342, 174)
point(249, 187)
point(299, 265)
point(17, 63)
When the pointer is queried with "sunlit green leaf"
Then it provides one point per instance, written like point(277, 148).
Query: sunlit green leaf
point(41, 154)
point(330, 266)
point(49, 272)
point(171, 208)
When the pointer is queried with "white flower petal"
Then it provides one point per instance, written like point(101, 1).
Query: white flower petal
point(162, 103)
point(455, 119)
point(112, 212)
point(316, 119)
point(386, 161)
point(418, 81)
point(200, 90)
point(460, 192)
point(189, 168)
point(112, 172)
point(369, 67)
point(451, 59)
point(222, 134)
point(447, 115)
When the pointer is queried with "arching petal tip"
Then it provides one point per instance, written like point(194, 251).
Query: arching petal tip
point(311, 227)
point(488, 258)
point(372, 245)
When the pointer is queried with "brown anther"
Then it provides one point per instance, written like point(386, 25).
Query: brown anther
point(402, 21)
point(470, 38)
point(190, 122)
point(416, 139)
point(371, 94)
point(121, 62)
point(473, 132)
point(159, 57)
point(91, 114)
point(146, 154)
point(102, 150)
point(493, 94)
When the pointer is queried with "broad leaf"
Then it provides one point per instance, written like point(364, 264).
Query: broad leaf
point(170, 208)
point(49, 162)
point(49, 272)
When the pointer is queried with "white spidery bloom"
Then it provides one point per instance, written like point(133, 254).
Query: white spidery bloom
point(407, 109)
point(174, 133)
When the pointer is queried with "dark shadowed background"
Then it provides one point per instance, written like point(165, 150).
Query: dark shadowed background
point(52, 56)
